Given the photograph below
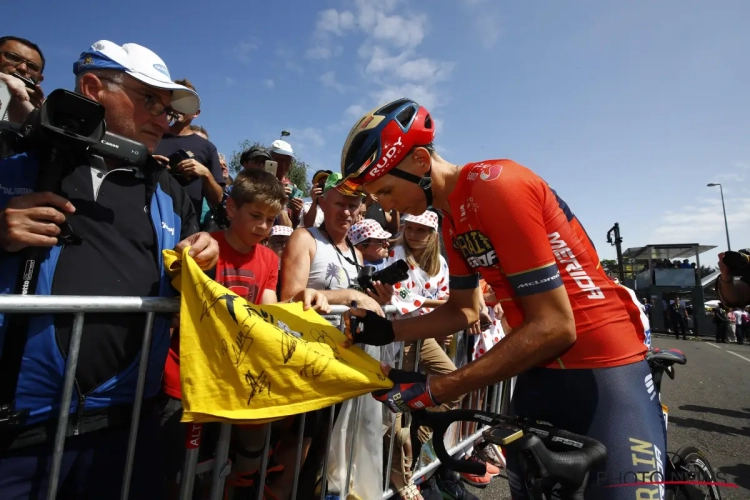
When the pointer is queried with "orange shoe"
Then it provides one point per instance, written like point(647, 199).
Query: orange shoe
point(492, 469)
point(475, 480)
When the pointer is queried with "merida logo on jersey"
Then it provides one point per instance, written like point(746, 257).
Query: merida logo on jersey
point(170, 229)
point(383, 163)
point(565, 256)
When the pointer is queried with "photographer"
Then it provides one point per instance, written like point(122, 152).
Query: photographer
point(118, 220)
point(20, 58)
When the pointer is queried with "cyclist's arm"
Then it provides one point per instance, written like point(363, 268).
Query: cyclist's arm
point(548, 329)
point(515, 229)
point(459, 311)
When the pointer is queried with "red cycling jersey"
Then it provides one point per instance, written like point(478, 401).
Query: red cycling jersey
point(509, 225)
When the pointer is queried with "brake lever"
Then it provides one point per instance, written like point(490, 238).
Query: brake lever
point(416, 443)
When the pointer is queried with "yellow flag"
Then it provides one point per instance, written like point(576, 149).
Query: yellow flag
point(240, 362)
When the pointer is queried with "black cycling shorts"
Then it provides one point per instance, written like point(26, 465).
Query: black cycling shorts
point(618, 407)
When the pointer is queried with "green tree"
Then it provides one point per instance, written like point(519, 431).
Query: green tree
point(610, 266)
point(706, 270)
point(297, 174)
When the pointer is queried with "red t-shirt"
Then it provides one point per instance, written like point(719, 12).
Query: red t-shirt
point(509, 225)
point(247, 275)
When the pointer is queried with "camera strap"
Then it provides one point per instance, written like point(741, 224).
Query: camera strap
point(16, 333)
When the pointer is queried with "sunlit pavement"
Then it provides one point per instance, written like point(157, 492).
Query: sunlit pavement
point(709, 407)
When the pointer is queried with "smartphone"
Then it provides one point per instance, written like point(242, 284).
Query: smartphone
point(271, 167)
point(175, 158)
point(29, 83)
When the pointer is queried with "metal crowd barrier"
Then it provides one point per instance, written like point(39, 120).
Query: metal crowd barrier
point(219, 465)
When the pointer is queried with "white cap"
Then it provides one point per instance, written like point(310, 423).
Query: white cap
point(428, 218)
point(143, 65)
point(279, 230)
point(366, 229)
point(281, 148)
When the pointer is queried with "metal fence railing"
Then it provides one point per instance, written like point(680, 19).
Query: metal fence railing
point(492, 399)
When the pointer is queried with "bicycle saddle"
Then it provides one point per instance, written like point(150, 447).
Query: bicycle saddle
point(669, 357)
point(569, 468)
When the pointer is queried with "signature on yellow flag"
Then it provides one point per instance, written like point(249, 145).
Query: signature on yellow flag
point(241, 362)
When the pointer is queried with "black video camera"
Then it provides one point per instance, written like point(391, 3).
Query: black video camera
point(69, 123)
point(395, 273)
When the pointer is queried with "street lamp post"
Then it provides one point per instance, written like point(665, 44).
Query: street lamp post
point(726, 225)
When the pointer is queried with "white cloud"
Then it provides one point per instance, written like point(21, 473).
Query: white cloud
point(486, 21)
point(425, 69)
point(229, 81)
point(306, 136)
point(423, 94)
point(318, 52)
point(243, 50)
point(293, 66)
point(333, 21)
point(329, 80)
point(269, 83)
point(400, 31)
point(355, 111)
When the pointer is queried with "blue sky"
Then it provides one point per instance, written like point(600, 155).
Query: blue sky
point(627, 109)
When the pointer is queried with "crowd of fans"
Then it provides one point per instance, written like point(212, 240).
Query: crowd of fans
point(251, 230)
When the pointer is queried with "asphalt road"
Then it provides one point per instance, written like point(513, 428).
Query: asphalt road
point(709, 408)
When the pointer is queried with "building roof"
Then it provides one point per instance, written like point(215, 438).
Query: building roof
point(667, 251)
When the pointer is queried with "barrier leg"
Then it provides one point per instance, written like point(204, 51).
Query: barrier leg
point(137, 404)
point(62, 424)
point(221, 463)
point(324, 474)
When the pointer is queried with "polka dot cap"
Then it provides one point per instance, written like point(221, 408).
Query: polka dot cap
point(367, 229)
point(429, 219)
point(281, 231)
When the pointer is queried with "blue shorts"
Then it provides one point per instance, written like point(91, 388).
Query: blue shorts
point(617, 406)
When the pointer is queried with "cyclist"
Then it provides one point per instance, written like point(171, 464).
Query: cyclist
point(577, 343)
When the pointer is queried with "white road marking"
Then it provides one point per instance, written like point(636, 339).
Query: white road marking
point(739, 356)
point(713, 345)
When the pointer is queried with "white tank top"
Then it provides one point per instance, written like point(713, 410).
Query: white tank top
point(329, 270)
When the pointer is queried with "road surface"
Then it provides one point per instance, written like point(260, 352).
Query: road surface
point(709, 407)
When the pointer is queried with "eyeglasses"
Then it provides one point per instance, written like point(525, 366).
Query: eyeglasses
point(152, 103)
point(17, 60)
point(376, 242)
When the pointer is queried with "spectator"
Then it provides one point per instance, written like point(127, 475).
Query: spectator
point(389, 220)
point(255, 157)
point(251, 271)
point(323, 258)
point(124, 218)
point(282, 153)
point(25, 58)
point(313, 214)
point(200, 173)
point(199, 130)
point(371, 240)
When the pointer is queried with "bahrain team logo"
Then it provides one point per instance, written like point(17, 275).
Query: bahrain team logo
point(485, 171)
point(491, 172)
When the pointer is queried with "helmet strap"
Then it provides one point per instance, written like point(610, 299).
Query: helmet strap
point(423, 182)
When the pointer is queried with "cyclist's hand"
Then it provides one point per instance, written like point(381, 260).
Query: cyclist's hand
point(367, 327)
point(410, 391)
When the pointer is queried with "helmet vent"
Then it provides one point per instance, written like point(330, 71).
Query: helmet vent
point(428, 122)
point(391, 107)
point(405, 117)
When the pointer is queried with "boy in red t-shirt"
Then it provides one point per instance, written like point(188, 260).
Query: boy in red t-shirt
point(250, 270)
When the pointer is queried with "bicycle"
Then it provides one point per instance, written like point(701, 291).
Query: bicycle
point(559, 460)
point(687, 464)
